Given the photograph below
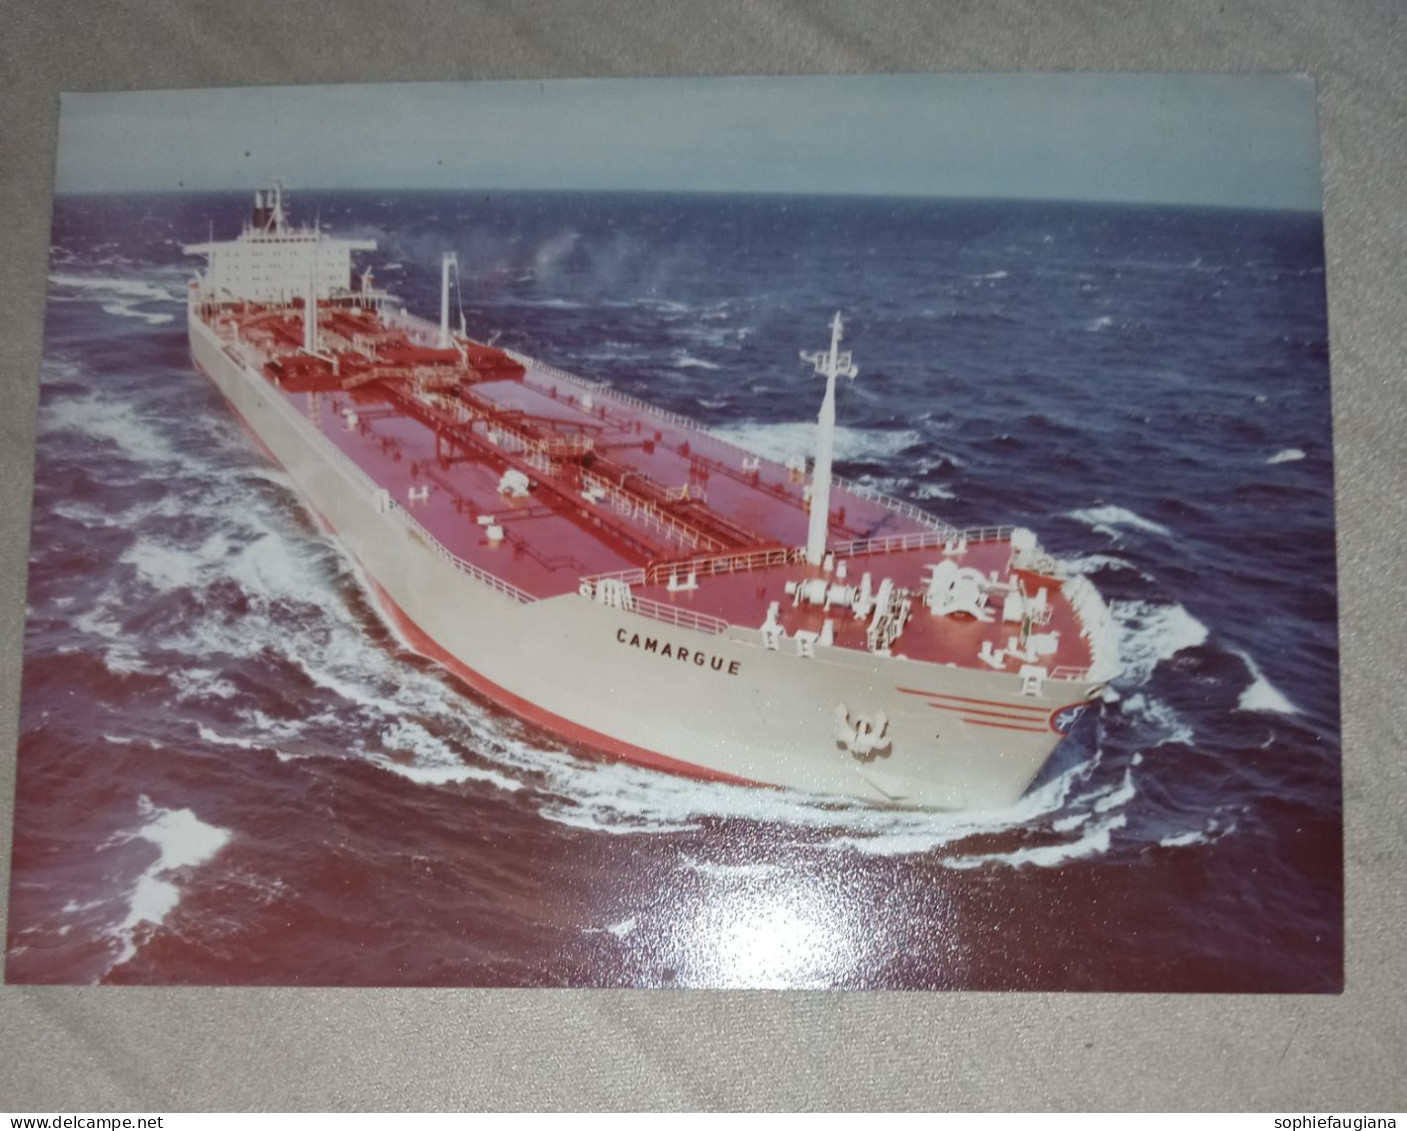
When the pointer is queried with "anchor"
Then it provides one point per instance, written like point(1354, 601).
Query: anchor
point(863, 736)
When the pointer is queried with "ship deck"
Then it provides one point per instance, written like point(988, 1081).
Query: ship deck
point(617, 487)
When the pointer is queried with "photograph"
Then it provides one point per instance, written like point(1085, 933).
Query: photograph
point(857, 532)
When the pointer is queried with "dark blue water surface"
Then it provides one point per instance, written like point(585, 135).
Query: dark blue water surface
point(232, 771)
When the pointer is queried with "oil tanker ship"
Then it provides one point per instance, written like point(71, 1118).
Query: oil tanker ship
point(622, 578)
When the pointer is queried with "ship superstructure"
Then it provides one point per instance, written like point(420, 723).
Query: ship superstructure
point(620, 576)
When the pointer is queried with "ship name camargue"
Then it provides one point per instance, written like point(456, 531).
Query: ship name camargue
point(678, 652)
point(511, 515)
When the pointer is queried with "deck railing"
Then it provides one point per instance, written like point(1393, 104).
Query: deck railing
point(492, 581)
point(714, 564)
point(908, 510)
point(684, 618)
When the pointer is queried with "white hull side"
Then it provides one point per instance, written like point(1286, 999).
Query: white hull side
point(571, 664)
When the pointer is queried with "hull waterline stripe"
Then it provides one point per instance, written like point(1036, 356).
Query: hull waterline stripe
point(988, 714)
point(1038, 711)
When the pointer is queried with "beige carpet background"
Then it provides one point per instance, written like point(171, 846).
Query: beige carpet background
point(173, 1050)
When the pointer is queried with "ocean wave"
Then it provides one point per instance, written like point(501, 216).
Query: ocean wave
point(619, 798)
point(1105, 518)
point(182, 841)
point(1262, 695)
point(1289, 455)
point(132, 288)
point(435, 761)
point(131, 310)
point(781, 441)
point(1213, 831)
point(111, 420)
point(1094, 841)
point(684, 360)
point(1165, 724)
point(1093, 563)
point(1150, 633)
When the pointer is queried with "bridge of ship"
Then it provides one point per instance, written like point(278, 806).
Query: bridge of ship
point(618, 486)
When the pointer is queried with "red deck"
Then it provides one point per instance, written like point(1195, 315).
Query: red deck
point(617, 486)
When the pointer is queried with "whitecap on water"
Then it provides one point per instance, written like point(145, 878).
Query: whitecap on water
point(131, 288)
point(183, 841)
point(1289, 455)
point(684, 360)
point(1106, 517)
point(1150, 633)
point(1262, 695)
point(781, 441)
point(107, 419)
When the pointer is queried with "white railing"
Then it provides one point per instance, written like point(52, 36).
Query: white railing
point(897, 543)
point(628, 576)
point(889, 501)
point(643, 511)
point(714, 564)
point(684, 618)
point(613, 597)
point(597, 389)
point(482, 575)
point(987, 534)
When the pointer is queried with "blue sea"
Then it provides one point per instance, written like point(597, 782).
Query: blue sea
point(232, 771)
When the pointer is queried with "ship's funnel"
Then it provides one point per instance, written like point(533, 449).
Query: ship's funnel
point(830, 364)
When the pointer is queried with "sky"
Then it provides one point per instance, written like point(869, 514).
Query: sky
point(1246, 141)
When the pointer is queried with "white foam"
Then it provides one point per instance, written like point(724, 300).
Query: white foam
point(1150, 633)
point(167, 568)
point(1065, 824)
point(992, 275)
point(436, 763)
point(933, 491)
point(1120, 795)
point(780, 441)
point(1103, 322)
point(1289, 455)
point(107, 419)
point(1111, 516)
point(209, 735)
point(132, 288)
point(128, 309)
point(1181, 840)
point(1094, 842)
point(201, 683)
point(183, 841)
point(1165, 723)
point(1093, 562)
point(123, 659)
point(684, 360)
point(1262, 695)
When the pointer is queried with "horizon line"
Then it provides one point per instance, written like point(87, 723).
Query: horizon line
point(1316, 209)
